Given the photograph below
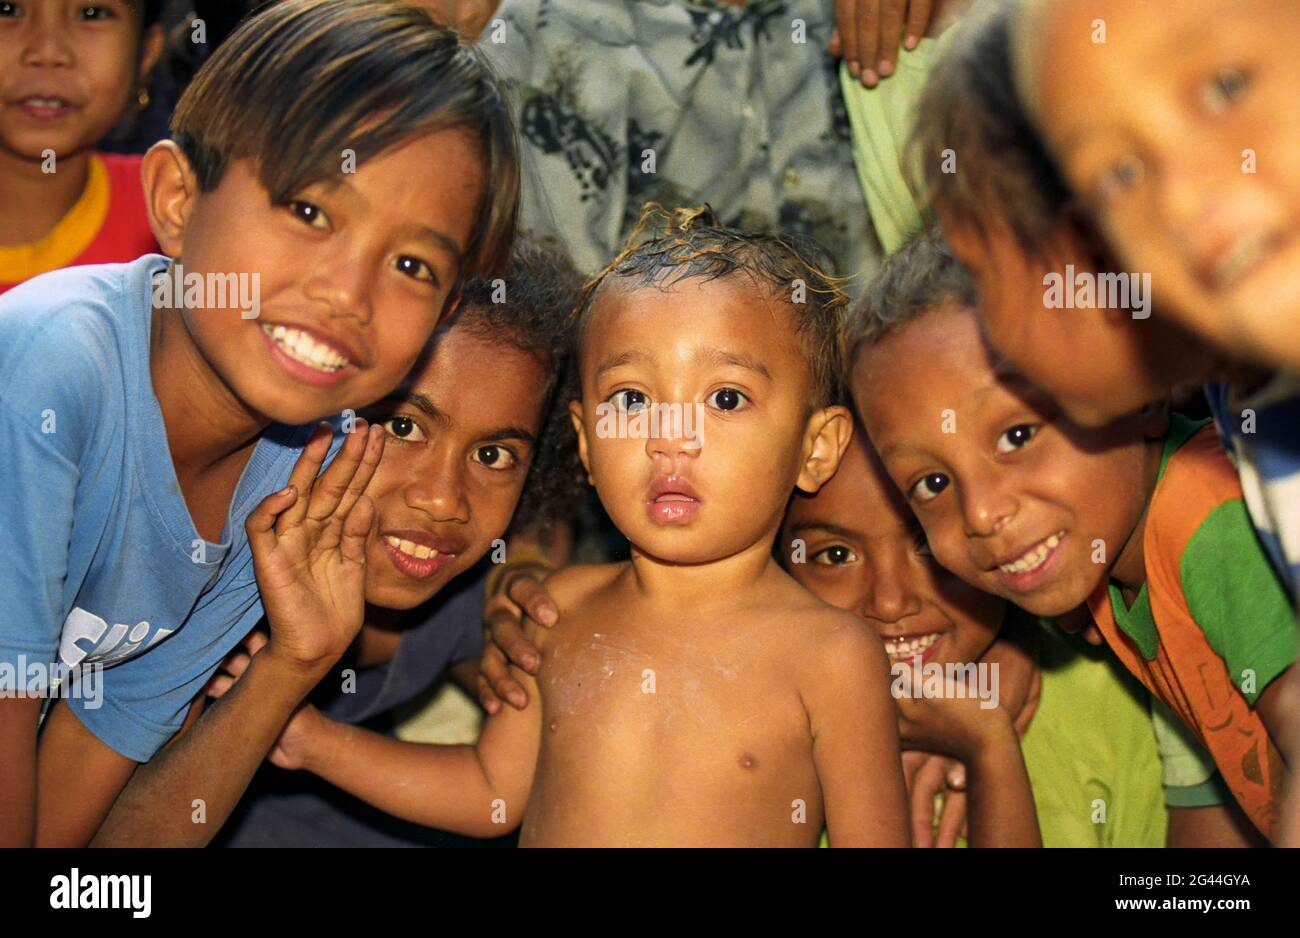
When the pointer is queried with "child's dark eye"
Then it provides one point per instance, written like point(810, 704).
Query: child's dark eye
point(495, 457)
point(96, 12)
point(1016, 437)
point(404, 428)
point(1121, 176)
point(929, 486)
point(415, 268)
point(835, 556)
point(629, 400)
point(727, 399)
point(8, 9)
point(308, 213)
point(1224, 89)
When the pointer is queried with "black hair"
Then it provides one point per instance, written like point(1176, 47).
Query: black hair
point(531, 309)
point(919, 277)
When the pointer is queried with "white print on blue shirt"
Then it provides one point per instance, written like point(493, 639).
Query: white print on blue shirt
point(122, 641)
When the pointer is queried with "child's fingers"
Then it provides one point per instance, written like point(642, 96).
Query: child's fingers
point(835, 47)
point(869, 39)
point(303, 477)
point(329, 488)
point(953, 820)
point(528, 593)
point(260, 523)
point(891, 33)
point(927, 783)
point(496, 671)
point(846, 25)
point(370, 457)
point(509, 637)
point(918, 21)
point(356, 531)
point(219, 684)
point(486, 697)
point(255, 642)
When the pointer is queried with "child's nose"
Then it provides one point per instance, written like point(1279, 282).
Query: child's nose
point(46, 45)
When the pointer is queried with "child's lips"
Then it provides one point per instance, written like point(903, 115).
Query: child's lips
point(44, 107)
point(306, 359)
point(415, 554)
point(1033, 566)
point(672, 500)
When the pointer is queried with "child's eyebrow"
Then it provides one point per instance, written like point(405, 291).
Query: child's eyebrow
point(825, 526)
point(422, 403)
point(342, 186)
point(511, 433)
point(631, 356)
point(717, 356)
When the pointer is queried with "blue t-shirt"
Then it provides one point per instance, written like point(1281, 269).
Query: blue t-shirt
point(100, 562)
point(1261, 434)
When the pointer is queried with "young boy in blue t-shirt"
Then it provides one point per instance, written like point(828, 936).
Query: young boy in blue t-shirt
point(303, 282)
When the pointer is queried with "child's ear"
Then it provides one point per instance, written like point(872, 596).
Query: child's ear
point(580, 428)
point(152, 44)
point(829, 432)
point(170, 190)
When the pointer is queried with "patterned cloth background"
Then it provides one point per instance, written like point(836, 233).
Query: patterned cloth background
point(728, 102)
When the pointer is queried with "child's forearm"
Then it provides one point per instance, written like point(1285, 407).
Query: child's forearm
point(210, 766)
point(448, 787)
point(998, 794)
point(18, 717)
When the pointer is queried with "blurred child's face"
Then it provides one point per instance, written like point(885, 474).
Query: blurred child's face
point(354, 274)
point(462, 431)
point(1185, 147)
point(67, 70)
point(1013, 499)
point(694, 497)
point(1098, 364)
point(866, 552)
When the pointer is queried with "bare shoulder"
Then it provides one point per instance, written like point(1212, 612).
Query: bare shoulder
point(571, 586)
point(828, 640)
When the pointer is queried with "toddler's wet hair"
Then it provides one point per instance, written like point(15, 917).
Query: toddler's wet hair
point(300, 82)
point(669, 247)
point(919, 277)
point(970, 107)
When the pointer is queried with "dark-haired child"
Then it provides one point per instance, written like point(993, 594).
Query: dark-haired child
point(344, 164)
point(449, 484)
point(69, 69)
point(1142, 521)
point(1089, 749)
point(695, 695)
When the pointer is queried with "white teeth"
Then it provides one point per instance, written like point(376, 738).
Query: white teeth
point(44, 102)
point(1034, 558)
point(1245, 254)
point(410, 548)
point(906, 648)
point(301, 347)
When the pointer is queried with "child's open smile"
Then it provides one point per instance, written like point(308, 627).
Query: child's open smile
point(352, 277)
point(1013, 499)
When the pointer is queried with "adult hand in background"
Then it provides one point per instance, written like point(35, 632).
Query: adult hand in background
point(467, 17)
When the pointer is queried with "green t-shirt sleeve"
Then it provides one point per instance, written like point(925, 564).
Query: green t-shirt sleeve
point(1184, 762)
point(1237, 599)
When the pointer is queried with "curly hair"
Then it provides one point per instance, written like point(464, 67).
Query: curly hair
point(667, 247)
point(531, 310)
